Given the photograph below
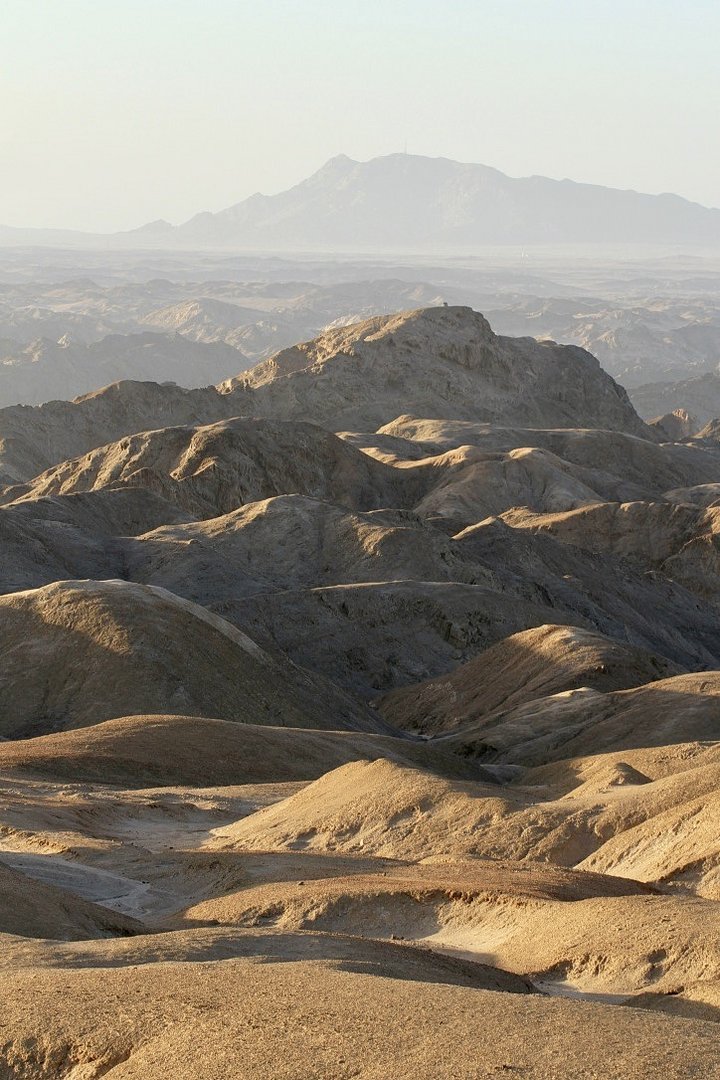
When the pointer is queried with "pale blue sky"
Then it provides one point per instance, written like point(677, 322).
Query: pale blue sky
point(116, 112)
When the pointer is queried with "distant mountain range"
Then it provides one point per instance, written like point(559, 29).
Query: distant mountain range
point(404, 202)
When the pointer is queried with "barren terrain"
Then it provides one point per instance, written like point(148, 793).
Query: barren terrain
point(359, 716)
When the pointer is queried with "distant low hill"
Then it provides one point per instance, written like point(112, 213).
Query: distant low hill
point(408, 202)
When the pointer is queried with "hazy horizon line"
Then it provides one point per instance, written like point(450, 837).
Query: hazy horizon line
point(354, 161)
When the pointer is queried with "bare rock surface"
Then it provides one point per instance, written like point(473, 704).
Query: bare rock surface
point(32, 438)
point(680, 540)
point(675, 426)
point(392, 752)
point(435, 361)
point(213, 469)
point(646, 464)
point(683, 708)
point(78, 652)
point(532, 664)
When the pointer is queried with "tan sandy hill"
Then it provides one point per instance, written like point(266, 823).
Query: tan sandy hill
point(75, 653)
point(684, 708)
point(143, 751)
point(532, 664)
point(677, 847)
point(654, 762)
point(574, 931)
point(30, 909)
point(646, 532)
point(379, 808)
point(278, 543)
point(334, 904)
point(607, 805)
point(622, 813)
point(581, 931)
point(618, 821)
point(435, 361)
point(646, 813)
point(292, 541)
point(318, 1019)
point(388, 959)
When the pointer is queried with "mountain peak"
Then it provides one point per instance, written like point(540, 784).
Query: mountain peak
point(439, 362)
point(340, 161)
point(411, 202)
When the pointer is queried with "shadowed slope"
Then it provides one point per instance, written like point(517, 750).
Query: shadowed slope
point(685, 708)
point(525, 666)
point(30, 909)
point(75, 653)
point(678, 539)
point(142, 751)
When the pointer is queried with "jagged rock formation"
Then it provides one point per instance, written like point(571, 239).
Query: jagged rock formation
point(674, 426)
point(434, 362)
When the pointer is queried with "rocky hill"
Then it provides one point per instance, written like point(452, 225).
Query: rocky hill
point(433, 362)
point(376, 688)
point(441, 362)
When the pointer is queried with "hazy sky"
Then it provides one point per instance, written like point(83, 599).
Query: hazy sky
point(116, 112)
